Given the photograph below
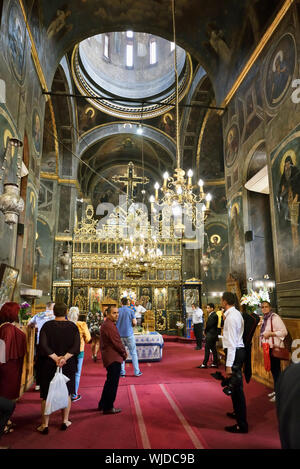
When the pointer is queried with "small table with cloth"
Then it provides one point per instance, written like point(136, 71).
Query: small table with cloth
point(149, 347)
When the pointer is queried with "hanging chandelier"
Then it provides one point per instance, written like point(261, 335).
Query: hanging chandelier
point(178, 191)
point(137, 256)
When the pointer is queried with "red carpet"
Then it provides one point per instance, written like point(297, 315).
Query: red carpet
point(173, 405)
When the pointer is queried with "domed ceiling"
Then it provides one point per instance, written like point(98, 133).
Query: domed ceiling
point(134, 74)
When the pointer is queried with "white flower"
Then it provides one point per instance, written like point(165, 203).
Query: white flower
point(264, 295)
point(180, 325)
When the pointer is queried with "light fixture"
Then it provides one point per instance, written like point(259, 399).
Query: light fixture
point(178, 189)
point(11, 204)
point(138, 255)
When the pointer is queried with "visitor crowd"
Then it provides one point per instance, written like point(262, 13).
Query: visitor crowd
point(61, 339)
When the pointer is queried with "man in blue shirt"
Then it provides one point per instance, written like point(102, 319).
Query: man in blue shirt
point(124, 324)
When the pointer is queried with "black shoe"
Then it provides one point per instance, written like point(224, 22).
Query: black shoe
point(112, 411)
point(197, 348)
point(64, 426)
point(202, 366)
point(236, 429)
point(231, 415)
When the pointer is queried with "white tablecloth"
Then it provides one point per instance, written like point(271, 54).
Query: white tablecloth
point(149, 347)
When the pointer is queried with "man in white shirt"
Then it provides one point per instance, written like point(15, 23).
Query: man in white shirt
point(139, 310)
point(235, 355)
point(197, 320)
point(38, 321)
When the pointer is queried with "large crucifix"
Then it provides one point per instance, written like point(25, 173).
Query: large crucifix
point(131, 180)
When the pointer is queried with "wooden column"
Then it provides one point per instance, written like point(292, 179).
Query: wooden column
point(27, 373)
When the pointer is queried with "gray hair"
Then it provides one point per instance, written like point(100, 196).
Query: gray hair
point(73, 314)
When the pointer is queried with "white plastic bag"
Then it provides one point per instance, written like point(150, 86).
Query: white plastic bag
point(58, 394)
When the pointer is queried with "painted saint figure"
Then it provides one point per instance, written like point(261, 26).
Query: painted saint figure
point(289, 197)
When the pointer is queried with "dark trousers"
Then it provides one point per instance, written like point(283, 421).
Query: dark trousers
point(110, 387)
point(38, 363)
point(6, 410)
point(275, 368)
point(210, 345)
point(198, 331)
point(238, 396)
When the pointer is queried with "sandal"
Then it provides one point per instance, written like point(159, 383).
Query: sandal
point(8, 429)
point(43, 430)
point(65, 425)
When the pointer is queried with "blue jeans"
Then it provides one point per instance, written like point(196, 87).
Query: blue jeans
point(130, 343)
point(77, 375)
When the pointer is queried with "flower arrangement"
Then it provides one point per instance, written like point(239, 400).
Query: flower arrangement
point(251, 300)
point(24, 313)
point(180, 325)
point(254, 299)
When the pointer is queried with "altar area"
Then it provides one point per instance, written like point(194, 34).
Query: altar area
point(149, 347)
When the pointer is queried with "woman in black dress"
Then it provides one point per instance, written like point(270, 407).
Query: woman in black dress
point(59, 346)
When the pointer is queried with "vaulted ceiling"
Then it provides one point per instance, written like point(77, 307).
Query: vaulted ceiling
point(219, 34)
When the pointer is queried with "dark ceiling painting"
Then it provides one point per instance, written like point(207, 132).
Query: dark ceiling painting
point(220, 34)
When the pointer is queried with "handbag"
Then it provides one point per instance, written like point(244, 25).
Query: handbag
point(58, 394)
point(266, 352)
point(279, 352)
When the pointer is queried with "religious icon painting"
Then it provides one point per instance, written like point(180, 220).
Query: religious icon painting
point(111, 274)
point(8, 280)
point(146, 297)
point(280, 69)
point(61, 295)
point(94, 273)
point(191, 296)
point(119, 275)
point(173, 298)
point(102, 274)
point(86, 247)
point(77, 247)
point(111, 248)
point(168, 274)
point(15, 35)
point(169, 250)
point(103, 248)
point(160, 275)
point(36, 131)
point(232, 143)
point(111, 292)
point(160, 298)
point(6, 132)
point(176, 274)
point(176, 249)
point(286, 197)
point(152, 274)
point(95, 248)
point(95, 299)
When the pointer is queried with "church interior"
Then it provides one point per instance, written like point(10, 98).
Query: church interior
point(108, 110)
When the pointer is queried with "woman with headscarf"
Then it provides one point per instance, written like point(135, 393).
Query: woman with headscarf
point(273, 332)
point(85, 338)
point(13, 349)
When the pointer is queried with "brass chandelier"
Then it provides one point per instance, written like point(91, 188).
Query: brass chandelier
point(137, 256)
point(178, 192)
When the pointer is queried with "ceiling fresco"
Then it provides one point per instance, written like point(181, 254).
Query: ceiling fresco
point(220, 34)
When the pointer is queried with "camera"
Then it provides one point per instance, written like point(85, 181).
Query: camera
point(229, 384)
